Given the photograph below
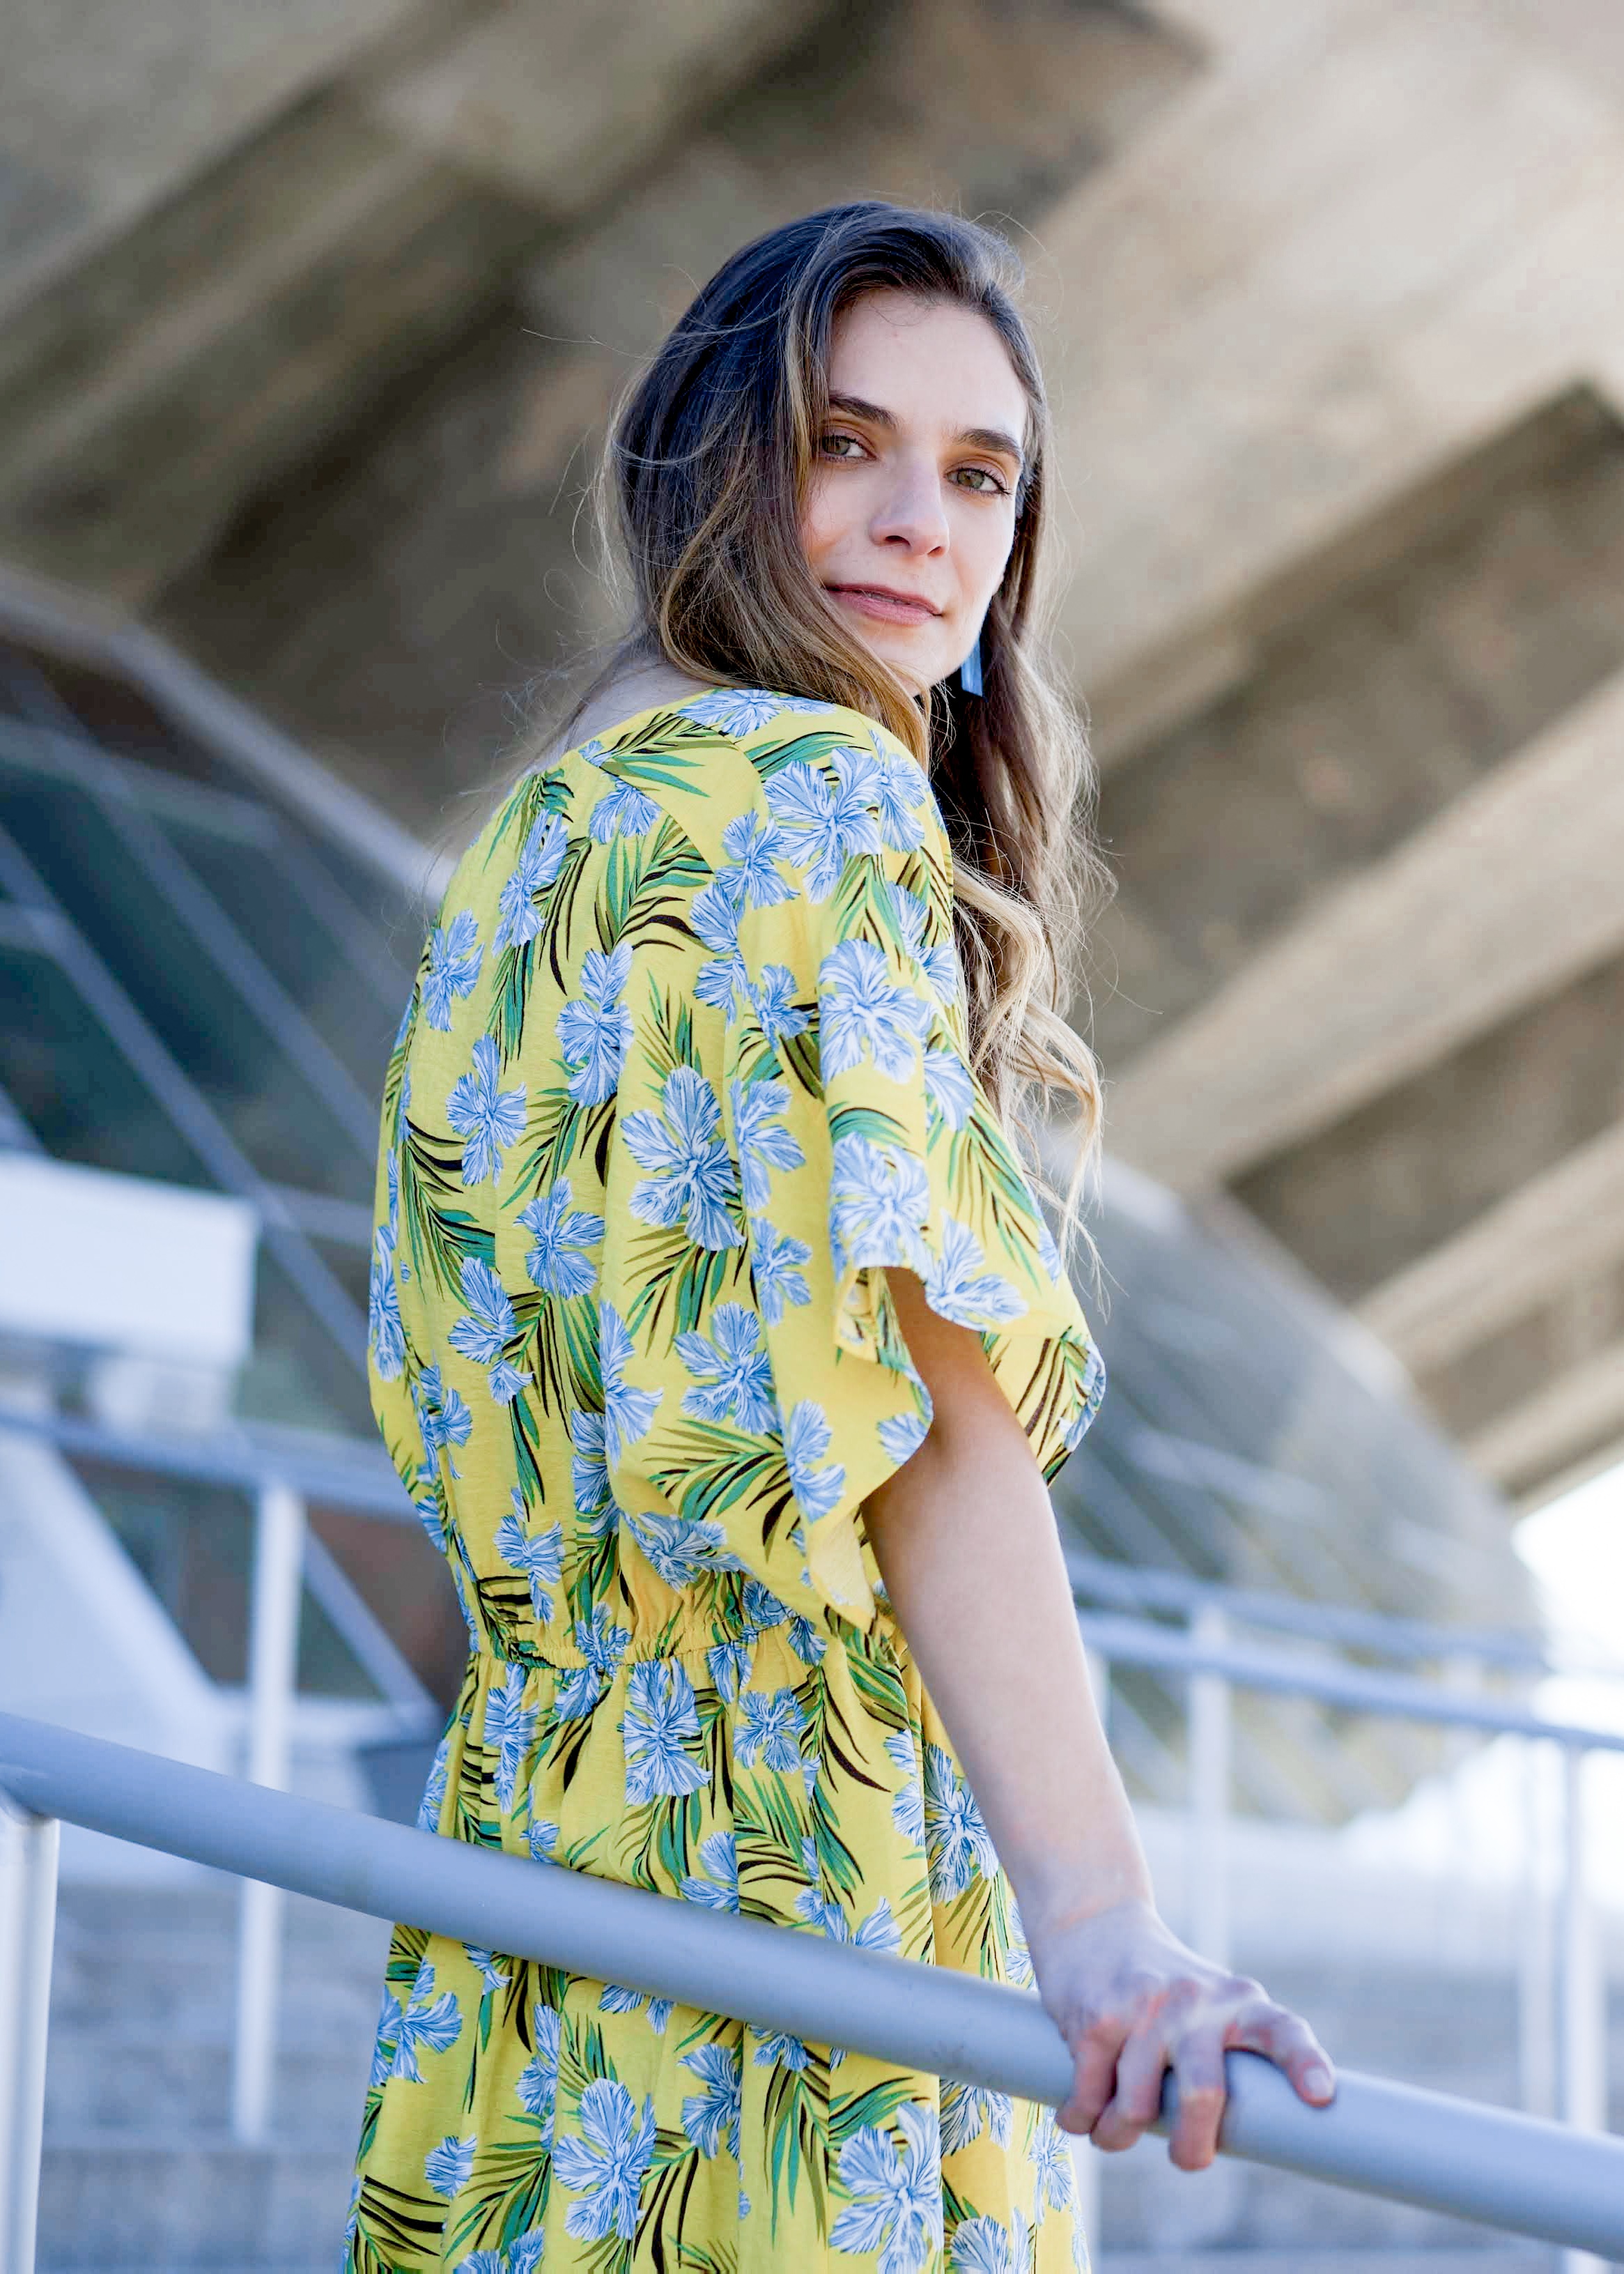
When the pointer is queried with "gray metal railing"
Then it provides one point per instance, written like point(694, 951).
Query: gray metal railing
point(1561, 1985)
point(1445, 2155)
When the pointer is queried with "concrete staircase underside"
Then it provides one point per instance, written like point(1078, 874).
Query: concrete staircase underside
point(139, 2171)
point(140, 2178)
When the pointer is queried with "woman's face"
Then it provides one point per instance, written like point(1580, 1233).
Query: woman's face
point(911, 511)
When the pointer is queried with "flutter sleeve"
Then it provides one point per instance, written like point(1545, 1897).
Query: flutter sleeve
point(863, 1140)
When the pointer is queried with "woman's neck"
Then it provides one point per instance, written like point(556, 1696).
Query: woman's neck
point(638, 689)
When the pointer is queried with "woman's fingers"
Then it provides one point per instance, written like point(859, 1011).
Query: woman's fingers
point(1137, 2100)
point(1285, 2039)
point(1095, 2077)
point(1192, 2043)
point(1196, 2056)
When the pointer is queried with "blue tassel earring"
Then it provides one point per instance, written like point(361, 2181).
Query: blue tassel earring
point(970, 669)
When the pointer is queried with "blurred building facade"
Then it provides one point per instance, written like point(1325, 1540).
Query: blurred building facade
point(310, 317)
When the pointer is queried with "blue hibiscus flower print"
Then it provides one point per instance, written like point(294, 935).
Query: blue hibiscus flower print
point(535, 869)
point(682, 1547)
point(824, 823)
point(384, 1336)
point(894, 2190)
point(711, 2115)
point(539, 1555)
point(485, 1116)
point(958, 1285)
point(715, 1886)
point(761, 1145)
point(770, 1727)
point(454, 956)
point(629, 1411)
point(510, 1726)
point(692, 1181)
point(603, 1645)
point(863, 1013)
point(723, 983)
point(560, 1260)
point(755, 845)
point(878, 1207)
point(776, 1272)
point(449, 2167)
point(604, 2166)
point(595, 1029)
point(958, 1845)
point(662, 1723)
point(938, 960)
point(741, 709)
point(772, 998)
point(730, 1371)
point(969, 2110)
point(818, 1484)
point(626, 811)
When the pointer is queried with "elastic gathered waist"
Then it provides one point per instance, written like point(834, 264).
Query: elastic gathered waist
point(707, 1646)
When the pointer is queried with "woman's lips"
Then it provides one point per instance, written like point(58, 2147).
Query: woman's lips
point(885, 607)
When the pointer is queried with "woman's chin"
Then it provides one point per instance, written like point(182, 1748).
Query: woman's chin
point(916, 672)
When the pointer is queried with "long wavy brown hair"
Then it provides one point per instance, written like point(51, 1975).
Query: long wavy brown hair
point(700, 502)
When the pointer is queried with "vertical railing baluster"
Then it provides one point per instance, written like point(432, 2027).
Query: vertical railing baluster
point(1538, 1993)
point(272, 1669)
point(1584, 2033)
point(29, 1846)
point(1207, 1897)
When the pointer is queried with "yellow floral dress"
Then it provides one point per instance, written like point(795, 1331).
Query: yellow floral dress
point(683, 1069)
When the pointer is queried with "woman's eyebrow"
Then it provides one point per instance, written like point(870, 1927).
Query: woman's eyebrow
point(870, 413)
point(994, 438)
point(977, 438)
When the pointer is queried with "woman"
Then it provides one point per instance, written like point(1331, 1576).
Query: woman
point(725, 1351)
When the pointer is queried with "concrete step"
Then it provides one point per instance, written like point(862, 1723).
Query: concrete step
point(1153, 2213)
point(101, 2083)
point(138, 2172)
point(151, 2199)
point(1497, 2260)
point(171, 1967)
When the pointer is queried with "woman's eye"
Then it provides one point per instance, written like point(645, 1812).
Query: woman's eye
point(840, 446)
point(983, 480)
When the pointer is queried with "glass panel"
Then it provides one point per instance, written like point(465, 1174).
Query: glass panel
point(275, 1117)
point(312, 963)
point(193, 1544)
point(378, 900)
point(296, 1374)
point(1246, 1435)
point(73, 1089)
point(119, 716)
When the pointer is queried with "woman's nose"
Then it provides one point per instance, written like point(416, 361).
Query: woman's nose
point(913, 512)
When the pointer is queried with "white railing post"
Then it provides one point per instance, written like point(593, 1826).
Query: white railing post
point(272, 1667)
point(1207, 1887)
point(1538, 2034)
point(1583, 2032)
point(28, 1851)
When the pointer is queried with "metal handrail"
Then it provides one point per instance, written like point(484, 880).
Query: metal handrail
point(1443, 2154)
point(1139, 1642)
point(334, 1471)
point(350, 1473)
point(1128, 1587)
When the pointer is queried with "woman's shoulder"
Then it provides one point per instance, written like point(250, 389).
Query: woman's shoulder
point(704, 755)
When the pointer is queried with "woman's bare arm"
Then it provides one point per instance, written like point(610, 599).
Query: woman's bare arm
point(966, 1542)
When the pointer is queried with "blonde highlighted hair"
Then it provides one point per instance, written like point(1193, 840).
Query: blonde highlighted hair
point(703, 485)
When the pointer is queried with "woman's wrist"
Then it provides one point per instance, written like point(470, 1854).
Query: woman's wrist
point(1054, 1904)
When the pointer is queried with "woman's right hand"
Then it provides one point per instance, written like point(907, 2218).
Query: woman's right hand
point(1131, 2001)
